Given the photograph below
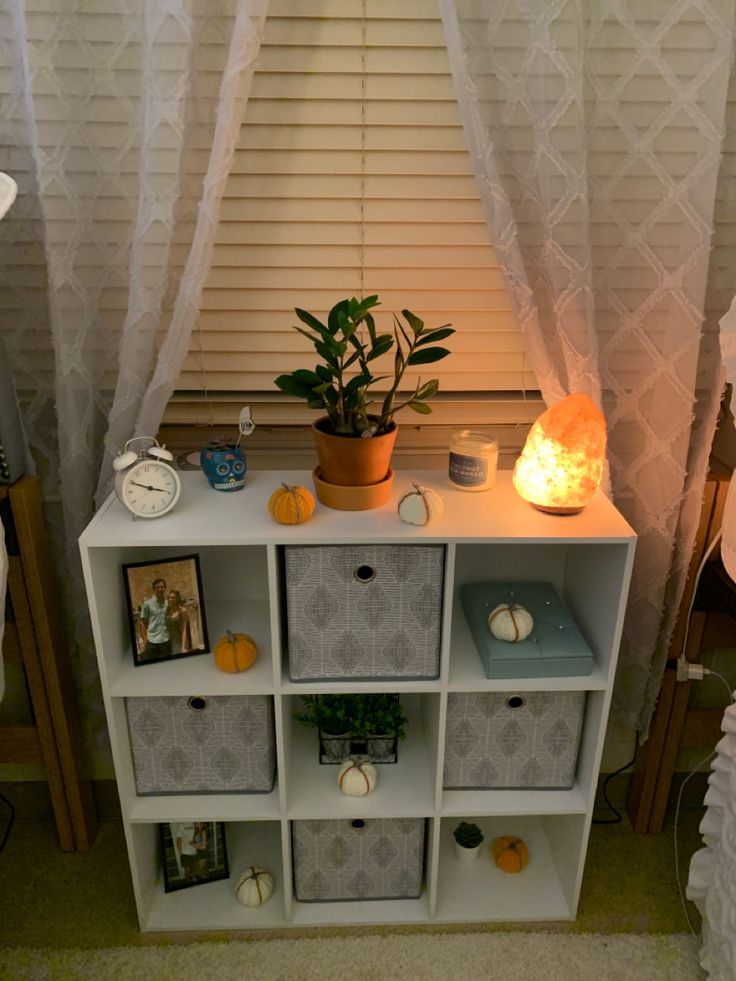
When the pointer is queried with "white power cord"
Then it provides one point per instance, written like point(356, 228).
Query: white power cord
point(682, 660)
point(692, 773)
point(688, 671)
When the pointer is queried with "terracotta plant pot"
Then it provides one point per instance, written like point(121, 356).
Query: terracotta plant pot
point(351, 461)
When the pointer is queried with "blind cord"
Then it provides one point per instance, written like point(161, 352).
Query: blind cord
point(363, 34)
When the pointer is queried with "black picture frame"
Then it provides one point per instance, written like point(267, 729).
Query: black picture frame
point(193, 853)
point(179, 634)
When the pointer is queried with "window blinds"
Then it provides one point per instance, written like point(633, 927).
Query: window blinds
point(352, 174)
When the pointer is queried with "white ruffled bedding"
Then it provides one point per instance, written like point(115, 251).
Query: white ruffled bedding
point(8, 191)
point(712, 881)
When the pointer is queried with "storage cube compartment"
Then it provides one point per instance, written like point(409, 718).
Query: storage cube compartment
point(213, 905)
point(235, 597)
point(545, 890)
point(358, 859)
point(202, 745)
point(363, 611)
point(404, 788)
point(555, 647)
point(497, 740)
point(589, 577)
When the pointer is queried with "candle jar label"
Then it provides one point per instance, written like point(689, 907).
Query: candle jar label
point(468, 471)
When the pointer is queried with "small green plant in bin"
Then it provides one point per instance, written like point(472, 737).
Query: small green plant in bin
point(341, 384)
point(468, 835)
point(332, 714)
point(359, 714)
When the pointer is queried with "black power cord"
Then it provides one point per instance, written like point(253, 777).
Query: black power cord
point(9, 825)
point(617, 814)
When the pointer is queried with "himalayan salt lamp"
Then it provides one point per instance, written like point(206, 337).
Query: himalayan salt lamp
point(561, 466)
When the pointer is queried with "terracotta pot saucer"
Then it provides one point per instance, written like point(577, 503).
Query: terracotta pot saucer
point(361, 498)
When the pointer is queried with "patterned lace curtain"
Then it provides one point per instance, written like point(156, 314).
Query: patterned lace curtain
point(596, 130)
point(119, 121)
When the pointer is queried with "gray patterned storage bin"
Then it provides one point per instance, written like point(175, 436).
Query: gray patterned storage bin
point(365, 612)
point(202, 745)
point(528, 740)
point(358, 859)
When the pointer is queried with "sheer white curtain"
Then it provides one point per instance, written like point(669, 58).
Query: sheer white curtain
point(596, 132)
point(120, 120)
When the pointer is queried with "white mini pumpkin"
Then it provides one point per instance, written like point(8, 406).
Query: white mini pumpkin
point(254, 887)
point(420, 506)
point(357, 777)
point(511, 622)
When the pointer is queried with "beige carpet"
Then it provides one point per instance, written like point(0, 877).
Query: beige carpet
point(436, 957)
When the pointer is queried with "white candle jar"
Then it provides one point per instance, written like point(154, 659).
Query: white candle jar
point(473, 461)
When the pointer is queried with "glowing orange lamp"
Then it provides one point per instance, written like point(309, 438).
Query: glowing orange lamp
point(561, 466)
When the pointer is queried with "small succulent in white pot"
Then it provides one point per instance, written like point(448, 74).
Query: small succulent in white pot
point(468, 839)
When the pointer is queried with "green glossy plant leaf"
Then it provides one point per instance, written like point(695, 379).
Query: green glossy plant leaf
point(427, 390)
point(331, 353)
point(421, 407)
point(311, 321)
point(398, 325)
point(337, 316)
point(290, 385)
point(414, 322)
point(355, 356)
point(357, 382)
point(435, 335)
point(383, 344)
point(427, 355)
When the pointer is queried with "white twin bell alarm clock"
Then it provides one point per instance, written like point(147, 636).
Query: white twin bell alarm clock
point(145, 482)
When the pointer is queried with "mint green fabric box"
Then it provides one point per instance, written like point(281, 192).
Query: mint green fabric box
point(555, 648)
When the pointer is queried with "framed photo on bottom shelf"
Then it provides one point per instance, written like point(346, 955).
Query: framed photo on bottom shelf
point(193, 852)
point(165, 609)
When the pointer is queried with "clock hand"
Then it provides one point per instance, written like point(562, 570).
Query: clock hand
point(148, 487)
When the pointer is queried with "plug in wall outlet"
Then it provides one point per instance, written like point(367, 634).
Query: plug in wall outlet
point(687, 671)
point(245, 423)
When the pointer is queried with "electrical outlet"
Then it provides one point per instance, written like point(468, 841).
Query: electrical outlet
point(688, 671)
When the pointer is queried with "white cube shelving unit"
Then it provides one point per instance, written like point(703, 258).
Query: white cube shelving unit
point(487, 536)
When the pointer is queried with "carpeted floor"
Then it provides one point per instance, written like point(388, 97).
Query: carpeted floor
point(467, 957)
point(55, 906)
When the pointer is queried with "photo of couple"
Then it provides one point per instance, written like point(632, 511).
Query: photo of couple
point(165, 609)
point(193, 852)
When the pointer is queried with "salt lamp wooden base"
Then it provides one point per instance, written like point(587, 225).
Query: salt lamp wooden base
point(553, 510)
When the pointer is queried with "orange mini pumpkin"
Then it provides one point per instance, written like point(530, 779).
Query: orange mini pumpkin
point(235, 652)
point(291, 504)
point(510, 853)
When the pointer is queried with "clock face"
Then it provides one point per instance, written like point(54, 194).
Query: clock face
point(149, 488)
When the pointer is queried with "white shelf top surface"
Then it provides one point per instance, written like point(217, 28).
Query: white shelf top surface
point(207, 517)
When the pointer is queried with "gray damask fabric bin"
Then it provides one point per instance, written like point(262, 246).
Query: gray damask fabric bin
point(498, 740)
point(202, 745)
point(358, 859)
point(363, 612)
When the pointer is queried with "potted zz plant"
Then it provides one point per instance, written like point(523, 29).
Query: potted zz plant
point(355, 437)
